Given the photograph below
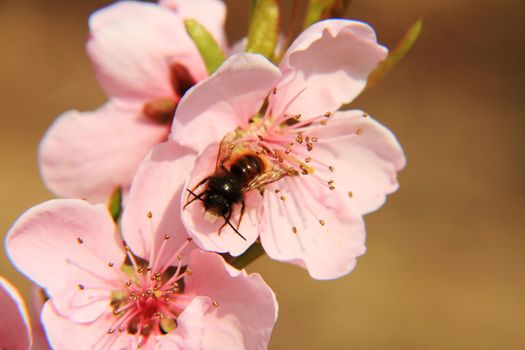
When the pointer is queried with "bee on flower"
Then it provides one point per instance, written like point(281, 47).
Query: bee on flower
point(334, 166)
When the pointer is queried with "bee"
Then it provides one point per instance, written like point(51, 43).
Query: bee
point(237, 171)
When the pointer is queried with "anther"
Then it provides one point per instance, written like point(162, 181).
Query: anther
point(189, 272)
point(294, 229)
point(331, 168)
point(365, 115)
point(328, 114)
point(128, 283)
point(283, 198)
point(110, 264)
point(149, 215)
point(350, 194)
point(324, 122)
point(167, 236)
point(304, 169)
point(215, 303)
point(308, 160)
point(180, 256)
point(309, 146)
point(274, 90)
point(321, 222)
point(314, 139)
point(297, 116)
point(277, 190)
point(299, 138)
point(80, 240)
point(260, 138)
point(111, 331)
point(359, 131)
point(81, 286)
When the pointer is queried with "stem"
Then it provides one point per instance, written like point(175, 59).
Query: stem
point(243, 260)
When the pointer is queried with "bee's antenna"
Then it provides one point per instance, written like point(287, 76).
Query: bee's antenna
point(197, 196)
point(233, 227)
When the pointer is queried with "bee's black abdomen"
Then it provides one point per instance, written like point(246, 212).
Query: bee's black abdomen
point(246, 168)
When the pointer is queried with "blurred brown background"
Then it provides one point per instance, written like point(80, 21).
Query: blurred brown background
point(445, 261)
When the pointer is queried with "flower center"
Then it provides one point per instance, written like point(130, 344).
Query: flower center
point(162, 110)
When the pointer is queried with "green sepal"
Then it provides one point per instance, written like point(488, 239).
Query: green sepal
point(115, 204)
point(323, 9)
point(264, 28)
point(209, 49)
point(402, 48)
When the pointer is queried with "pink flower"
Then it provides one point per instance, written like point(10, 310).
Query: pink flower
point(15, 331)
point(144, 61)
point(330, 167)
point(103, 296)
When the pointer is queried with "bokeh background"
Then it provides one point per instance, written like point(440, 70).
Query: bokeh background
point(445, 261)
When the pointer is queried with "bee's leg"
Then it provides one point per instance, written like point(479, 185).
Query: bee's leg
point(243, 205)
point(227, 221)
point(195, 197)
point(190, 192)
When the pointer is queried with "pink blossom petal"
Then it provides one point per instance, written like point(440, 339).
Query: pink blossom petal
point(225, 101)
point(366, 157)
point(190, 327)
point(156, 189)
point(325, 67)
point(65, 246)
point(246, 308)
point(63, 334)
point(132, 45)
point(313, 227)
point(15, 331)
point(210, 13)
point(89, 154)
point(205, 232)
point(38, 298)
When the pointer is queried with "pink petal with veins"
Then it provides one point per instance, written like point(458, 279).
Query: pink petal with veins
point(89, 154)
point(132, 45)
point(224, 101)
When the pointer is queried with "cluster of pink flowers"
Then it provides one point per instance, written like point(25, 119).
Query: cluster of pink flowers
point(154, 279)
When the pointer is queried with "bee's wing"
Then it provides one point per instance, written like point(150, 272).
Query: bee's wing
point(269, 176)
point(225, 151)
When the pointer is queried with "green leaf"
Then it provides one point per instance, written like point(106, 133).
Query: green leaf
point(264, 28)
point(115, 204)
point(403, 46)
point(322, 9)
point(209, 49)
